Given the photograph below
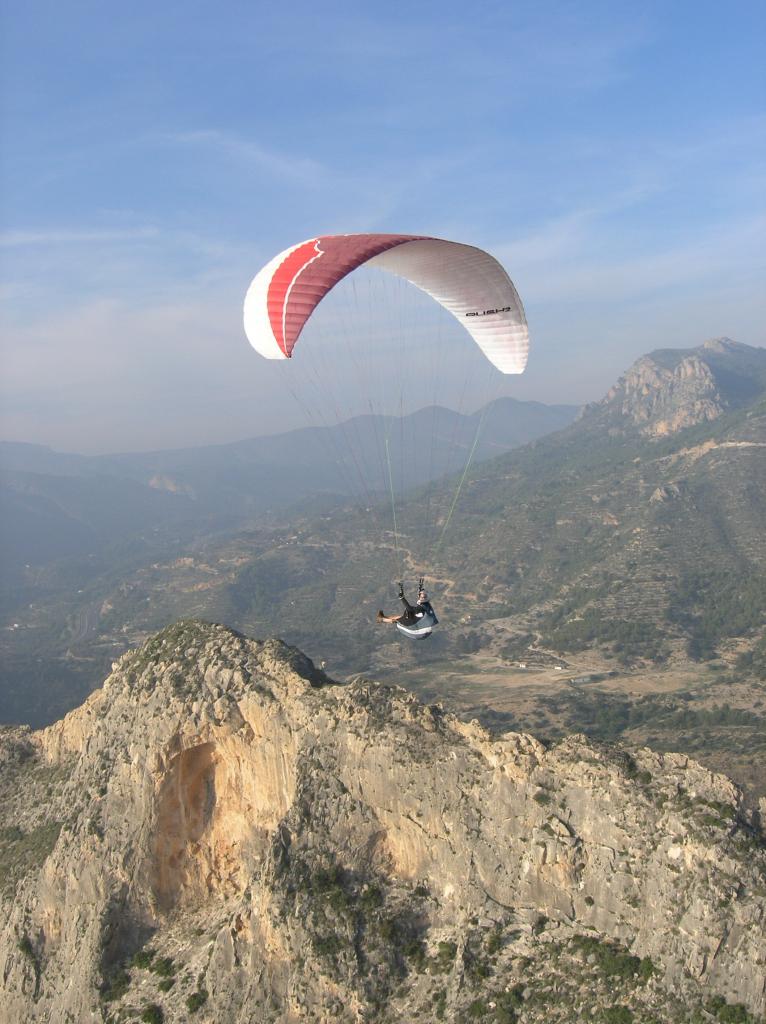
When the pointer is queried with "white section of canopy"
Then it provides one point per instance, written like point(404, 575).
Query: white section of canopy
point(464, 280)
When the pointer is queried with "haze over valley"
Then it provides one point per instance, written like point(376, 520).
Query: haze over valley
point(596, 554)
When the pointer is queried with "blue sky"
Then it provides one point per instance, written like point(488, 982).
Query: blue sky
point(611, 155)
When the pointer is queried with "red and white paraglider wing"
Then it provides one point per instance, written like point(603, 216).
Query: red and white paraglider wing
point(467, 281)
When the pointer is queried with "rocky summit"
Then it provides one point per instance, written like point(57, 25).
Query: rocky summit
point(672, 389)
point(222, 833)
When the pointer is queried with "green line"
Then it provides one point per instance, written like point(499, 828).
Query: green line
point(393, 505)
point(462, 481)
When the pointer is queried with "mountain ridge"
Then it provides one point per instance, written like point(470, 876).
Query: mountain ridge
point(235, 831)
point(205, 487)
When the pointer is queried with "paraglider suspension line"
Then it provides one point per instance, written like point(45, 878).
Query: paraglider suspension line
point(462, 479)
point(393, 502)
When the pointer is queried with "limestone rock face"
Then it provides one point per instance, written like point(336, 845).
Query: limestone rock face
point(660, 401)
point(671, 389)
point(284, 848)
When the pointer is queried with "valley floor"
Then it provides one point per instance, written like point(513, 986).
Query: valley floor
point(687, 708)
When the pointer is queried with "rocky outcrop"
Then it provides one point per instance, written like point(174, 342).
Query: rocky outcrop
point(243, 839)
point(669, 390)
point(660, 401)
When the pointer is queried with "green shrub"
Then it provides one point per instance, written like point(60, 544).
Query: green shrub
point(328, 945)
point(164, 967)
point(115, 986)
point(507, 1004)
point(630, 639)
point(196, 1000)
point(618, 1015)
point(754, 661)
point(372, 898)
point(440, 1004)
point(478, 1009)
point(612, 960)
point(21, 852)
point(714, 821)
point(152, 1014)
point(646, 969)
point(338, 900)
point(143, 958)
point(414, 950)
point(729, 1013)
point(325, 879)
point(476, 968)
point(447, 950)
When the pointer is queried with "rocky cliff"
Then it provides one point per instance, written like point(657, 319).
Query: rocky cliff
point(671, 389)
point(222, 833)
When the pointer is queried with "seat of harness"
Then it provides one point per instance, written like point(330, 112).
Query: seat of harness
point(422, 626)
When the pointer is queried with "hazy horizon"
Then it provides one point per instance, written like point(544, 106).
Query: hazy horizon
point(469, 411)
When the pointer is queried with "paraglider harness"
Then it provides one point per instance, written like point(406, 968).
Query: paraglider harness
point(418, 619)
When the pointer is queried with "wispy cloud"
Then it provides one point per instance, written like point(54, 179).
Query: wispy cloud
point(165, 370)
point(723, 251)
point(579, 257)
point(301, 169)
point(55, 236)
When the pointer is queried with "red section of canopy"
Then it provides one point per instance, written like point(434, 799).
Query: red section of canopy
point(279, 286)
point(304, 278)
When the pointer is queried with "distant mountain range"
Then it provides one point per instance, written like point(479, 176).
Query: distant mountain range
point(54, 504)
point(77, 531)
point(637, 531)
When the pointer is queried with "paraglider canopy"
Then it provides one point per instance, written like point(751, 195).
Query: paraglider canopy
point(465, 280)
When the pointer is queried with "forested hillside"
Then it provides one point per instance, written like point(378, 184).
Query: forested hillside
point(618, 538)
point(617, 533)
